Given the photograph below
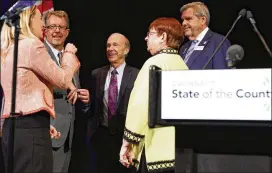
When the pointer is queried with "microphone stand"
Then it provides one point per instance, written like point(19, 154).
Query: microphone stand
point(13, 21)
point(262, 40)
point(217, 48)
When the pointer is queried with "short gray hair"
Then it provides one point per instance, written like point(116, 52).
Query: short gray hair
point(200, 10)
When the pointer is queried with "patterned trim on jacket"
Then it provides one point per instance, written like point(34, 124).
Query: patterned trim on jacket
point(132, 137)
point(161, 166)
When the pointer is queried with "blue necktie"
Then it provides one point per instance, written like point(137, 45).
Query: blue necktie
point(190, 51)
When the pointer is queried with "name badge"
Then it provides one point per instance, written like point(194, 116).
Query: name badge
point(199, 48)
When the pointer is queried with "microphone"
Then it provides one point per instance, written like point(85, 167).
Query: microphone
point(242, 13)
point(11, 15)
point(12, 12)
point(18, 7)
point(253, 23)
point(235, 53)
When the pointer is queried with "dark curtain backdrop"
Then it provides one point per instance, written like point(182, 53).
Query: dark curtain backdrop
point(92, 21)
point(92, 24)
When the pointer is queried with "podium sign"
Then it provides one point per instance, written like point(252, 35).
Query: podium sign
point(235, 95)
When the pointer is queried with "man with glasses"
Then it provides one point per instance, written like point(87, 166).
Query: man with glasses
point(56, 32)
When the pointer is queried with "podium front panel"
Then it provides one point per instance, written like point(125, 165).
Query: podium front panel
point(239, 97)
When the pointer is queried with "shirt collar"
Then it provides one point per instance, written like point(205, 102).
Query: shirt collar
point(120, 69)
point(55, 51)
point(202, 35)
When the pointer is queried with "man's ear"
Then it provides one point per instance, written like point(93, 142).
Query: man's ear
point(203, 20)
point(126, 51)
point(68, 31)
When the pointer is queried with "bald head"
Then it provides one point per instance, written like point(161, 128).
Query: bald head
point(118, 47)
point(121, 37)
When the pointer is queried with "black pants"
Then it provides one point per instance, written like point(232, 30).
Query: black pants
point(2, 166)
point(32, 143)
point(106, 148)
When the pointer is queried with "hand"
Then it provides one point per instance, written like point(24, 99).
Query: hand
point(72, 95)
point(83, 95)
point(54, 133)
point(126, 154)
point(70, 48)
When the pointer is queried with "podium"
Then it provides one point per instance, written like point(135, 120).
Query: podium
point(226, 112)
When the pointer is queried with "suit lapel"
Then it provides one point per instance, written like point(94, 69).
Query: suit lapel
point(195, 53)
point(185, 49)
point(102, 81)
point(50, 52)
point(76, 80)
point(125, 80)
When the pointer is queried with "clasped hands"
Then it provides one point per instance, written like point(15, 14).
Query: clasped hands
point(81, 94)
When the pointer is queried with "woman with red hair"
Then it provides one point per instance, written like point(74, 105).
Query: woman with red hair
point(154, 148)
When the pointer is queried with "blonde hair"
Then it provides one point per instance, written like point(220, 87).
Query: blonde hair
point(58, 13)
point(200, 10)
point(7, 33)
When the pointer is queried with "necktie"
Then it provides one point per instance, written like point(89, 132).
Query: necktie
point(190, 51)
point(112, 95)
point(60, 56)
point(59, 61)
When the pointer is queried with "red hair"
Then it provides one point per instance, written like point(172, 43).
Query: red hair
point(172, 27)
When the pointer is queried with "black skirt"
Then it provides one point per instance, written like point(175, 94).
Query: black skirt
point(32, 143)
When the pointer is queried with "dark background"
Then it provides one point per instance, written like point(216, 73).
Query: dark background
point(92, 24)
point(92, 21)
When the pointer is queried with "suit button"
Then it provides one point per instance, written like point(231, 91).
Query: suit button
point(70, 113)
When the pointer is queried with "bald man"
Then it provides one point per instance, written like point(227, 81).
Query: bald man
point(111, 86)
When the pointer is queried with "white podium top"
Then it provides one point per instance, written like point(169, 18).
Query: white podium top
point(240, 94)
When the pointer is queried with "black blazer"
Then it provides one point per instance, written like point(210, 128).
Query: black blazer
point(98, 80)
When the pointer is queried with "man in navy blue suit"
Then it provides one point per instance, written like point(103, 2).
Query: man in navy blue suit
point(202, 41)
point(196, 53)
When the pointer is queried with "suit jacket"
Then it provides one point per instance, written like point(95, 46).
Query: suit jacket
point(99, 76)
point(159, 142)
point(37, 74)
point(199, 58)
point(65, 112)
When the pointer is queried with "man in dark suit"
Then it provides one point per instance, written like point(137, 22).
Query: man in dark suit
point(196, 53)
point(196, 19)
point(111, 86)
point(202, 41)
point(56, 32)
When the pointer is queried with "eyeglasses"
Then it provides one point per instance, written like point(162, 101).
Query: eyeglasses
point(150, 33)
point(54, 27)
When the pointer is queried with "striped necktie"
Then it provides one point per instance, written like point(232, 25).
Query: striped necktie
point(59, 57)
point(190, 51)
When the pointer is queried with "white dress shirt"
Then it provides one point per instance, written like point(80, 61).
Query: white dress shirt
point(120, 71)
point(200, 37)
point(55, 51)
